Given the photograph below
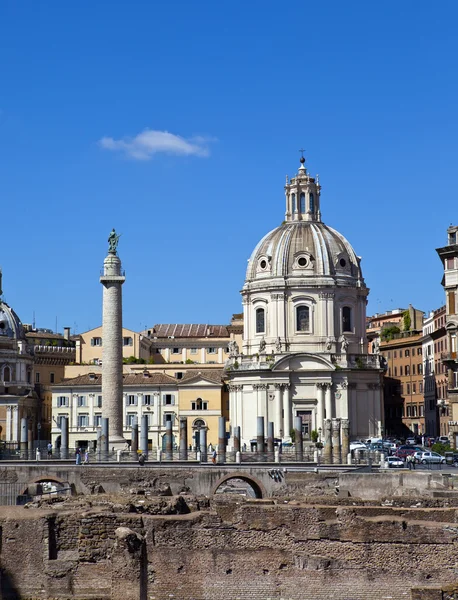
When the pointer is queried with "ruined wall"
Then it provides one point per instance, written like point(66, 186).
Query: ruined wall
point(132, 548)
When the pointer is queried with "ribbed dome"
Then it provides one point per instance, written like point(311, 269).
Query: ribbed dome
point(10, 325)
point(303, 249)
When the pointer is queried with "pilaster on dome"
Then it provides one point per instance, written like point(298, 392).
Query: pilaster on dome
point(302, 196)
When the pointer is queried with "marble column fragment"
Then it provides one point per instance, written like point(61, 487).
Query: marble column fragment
point(345, 436)
point(327, 451)
point(336, 449)
point(183, 438)
point(298, 441)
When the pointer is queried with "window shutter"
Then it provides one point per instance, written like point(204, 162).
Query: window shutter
point(164, 420)
point(135, 400)
point(173, 398)
point(163, 400)
point(92, 341)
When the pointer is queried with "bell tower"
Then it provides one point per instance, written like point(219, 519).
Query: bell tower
point(302, 196)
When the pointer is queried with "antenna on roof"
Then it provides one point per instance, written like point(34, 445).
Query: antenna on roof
point(33, 320)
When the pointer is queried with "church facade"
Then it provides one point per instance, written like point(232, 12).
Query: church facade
point(304, 350)
point(17, 396)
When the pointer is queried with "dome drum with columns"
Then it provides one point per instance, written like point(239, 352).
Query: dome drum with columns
point(304, 340)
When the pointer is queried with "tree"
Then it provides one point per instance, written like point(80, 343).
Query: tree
point(389, 333)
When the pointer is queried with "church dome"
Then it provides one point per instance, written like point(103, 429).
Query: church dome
point(10, 325)
point(303, 246)
point(303, 249)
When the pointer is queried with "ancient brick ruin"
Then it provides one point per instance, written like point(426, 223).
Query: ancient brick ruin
point(315, 540)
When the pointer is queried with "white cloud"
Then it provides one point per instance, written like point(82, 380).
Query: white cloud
point(150, 142)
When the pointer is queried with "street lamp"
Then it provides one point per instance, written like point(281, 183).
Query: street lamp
point(39, 432)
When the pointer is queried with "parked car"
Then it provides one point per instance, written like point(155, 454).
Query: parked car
point(357, 446)
point(429, 457)
point(404, 451)
point(394, 462)
point(443, 439)
point(411, 441)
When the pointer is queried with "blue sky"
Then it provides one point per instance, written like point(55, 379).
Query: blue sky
point(369, 89)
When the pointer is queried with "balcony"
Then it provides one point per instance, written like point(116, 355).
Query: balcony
point(265, 362)
point(449, 357)
point(54, 349)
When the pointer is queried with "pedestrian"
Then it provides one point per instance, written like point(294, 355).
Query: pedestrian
point(49, 450)
point(214, 457)
point(141, 460)
point(78, 456)
point(244, 447)
point(86, 457)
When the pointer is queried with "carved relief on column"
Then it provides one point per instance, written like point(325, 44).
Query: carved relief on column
point(336, 458)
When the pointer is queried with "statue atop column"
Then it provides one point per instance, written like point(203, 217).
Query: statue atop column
point(113, 241)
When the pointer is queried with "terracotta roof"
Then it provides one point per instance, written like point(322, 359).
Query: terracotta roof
point(214, 375)
point(187, 331)
point(44, 335)
point(128, 379)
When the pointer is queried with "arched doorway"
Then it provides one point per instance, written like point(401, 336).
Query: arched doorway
point(197, 427)
point(240, 484)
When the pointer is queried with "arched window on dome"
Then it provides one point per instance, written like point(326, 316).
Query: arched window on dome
point(293, 202)
point(346, 319)
point(312, 203)
point(303, 318)
point(302, 202)
point(260, 320)
point(6, 374)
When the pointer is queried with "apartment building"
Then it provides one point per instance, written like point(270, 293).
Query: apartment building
point(51, 352)
point(89, 346)
point(188, 343)
point(403, 384)
point(449, 257)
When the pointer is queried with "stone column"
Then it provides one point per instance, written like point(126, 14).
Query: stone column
point(9, 410)
point(168, 440)
point(260, 435)
point(203, 444)
point(16, 433)
point(64, 437)
point(345, 436)
point(328, 401)
point(320, 406)
point(287, 411)
point(298, 438)
point(144, 434)
point(112, 280)
point(270, 439)
point(327, 451)
point(128, 566)
point(134, 442)
point(335, 427)
point(183, 438)
point(24, 436)
point(278, 409)
point(221, 440)
point(236, 437)
point(104, 439)
point(239, 405)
